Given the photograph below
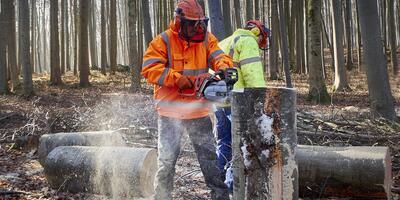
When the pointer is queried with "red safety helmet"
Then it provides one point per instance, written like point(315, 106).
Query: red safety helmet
point(259, 30)
point(191, 21)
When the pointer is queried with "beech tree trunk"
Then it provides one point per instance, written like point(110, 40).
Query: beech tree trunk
point(113, 36)
point(317, 89)
point(380, 95)
point(55, 75)
point(48, 142)
point(84, 44)
point(24, 46)
point(264, 120)
point(217, 25)
point(340, 83)
point(119, 172)
point(356, 172)
point(3, 44)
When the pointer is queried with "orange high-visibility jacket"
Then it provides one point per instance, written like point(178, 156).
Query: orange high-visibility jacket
point(167, 58)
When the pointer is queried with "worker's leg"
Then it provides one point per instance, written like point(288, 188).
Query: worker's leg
point(169, 137)
point(200, 133)
point(224, 139)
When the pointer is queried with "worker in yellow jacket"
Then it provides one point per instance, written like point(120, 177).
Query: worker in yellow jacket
point(243, 46)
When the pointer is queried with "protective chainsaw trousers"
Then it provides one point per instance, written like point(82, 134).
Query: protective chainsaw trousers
point(169, 140)
point(224, 140)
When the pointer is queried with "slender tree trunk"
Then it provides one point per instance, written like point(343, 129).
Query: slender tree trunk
point(147, 26)
point(292, 32)
point(216, 19)
point(92, 33)
point(33, 33)
point(77, 28)
point(238, 16)
point(55, 75)
point(392, 37)
point(133, 51)
point(226, 9)
point(3, 43)
point(249, 9)
point(67, 37)
point(317, 89)
point(103, 42)
point(44, 39)
point(113, 36)
point(62, 37)
point(380, 96)
point(348, 16)
point(11, 43)
point(273, 52)
point(360, 66)
point(299, 36)
point(24, 46)
point(83, 44)
point(340, 83)
point(284, 45)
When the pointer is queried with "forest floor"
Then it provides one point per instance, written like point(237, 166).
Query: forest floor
point(107, 105)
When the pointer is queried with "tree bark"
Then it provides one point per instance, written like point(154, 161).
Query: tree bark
point(55, 75)
point(392, 37)
point(284, 45)
point(249, 10)
point(83, 44)
point(48, 142)
point(380, 95)
point(226, 10)
point(238, 15)
point(216, 19)
point(103, 43)
point(348, 16)
point(3, 44)
point(24, 46)
point(119, 172)
point(340, 83)
point(343, 172)
point(62, 37)
point(317, 91)
point(264, 120)
point(113, 36)
point(11, 43)
point(273, 52)
point(135, 66)
point(147, 26)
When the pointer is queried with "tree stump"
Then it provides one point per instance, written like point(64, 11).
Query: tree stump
point(120, 172)
point(48, 142)
point(264, 140)
point(357, 172)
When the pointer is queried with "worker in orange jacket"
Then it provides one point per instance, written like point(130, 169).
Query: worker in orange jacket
point(172, 62)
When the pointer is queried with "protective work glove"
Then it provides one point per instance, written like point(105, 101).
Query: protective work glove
point(184, 83)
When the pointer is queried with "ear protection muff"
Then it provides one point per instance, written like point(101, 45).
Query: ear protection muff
point(255, 31)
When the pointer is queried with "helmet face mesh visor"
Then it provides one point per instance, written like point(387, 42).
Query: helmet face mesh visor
point(193, 30)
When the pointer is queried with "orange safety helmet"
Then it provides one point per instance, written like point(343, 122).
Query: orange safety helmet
point(259, 30)
point(191, 21)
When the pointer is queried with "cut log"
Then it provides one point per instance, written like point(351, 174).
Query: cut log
point(48, 142)
point(357, 172)
point(120, 172)
point(264, 121)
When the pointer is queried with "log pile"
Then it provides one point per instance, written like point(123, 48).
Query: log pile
point(48, 142)
point(97, 162)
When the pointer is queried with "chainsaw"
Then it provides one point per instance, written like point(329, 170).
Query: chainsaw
point(214, 87)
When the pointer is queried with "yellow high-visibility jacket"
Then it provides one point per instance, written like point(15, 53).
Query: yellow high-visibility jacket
point(242, 46)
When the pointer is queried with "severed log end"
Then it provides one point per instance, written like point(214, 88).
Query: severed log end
point(120, 172)
point(357, 172)
point(48, 142)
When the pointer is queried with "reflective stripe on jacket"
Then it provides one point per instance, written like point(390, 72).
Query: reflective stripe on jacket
point(167, 58)
point(242, 46)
